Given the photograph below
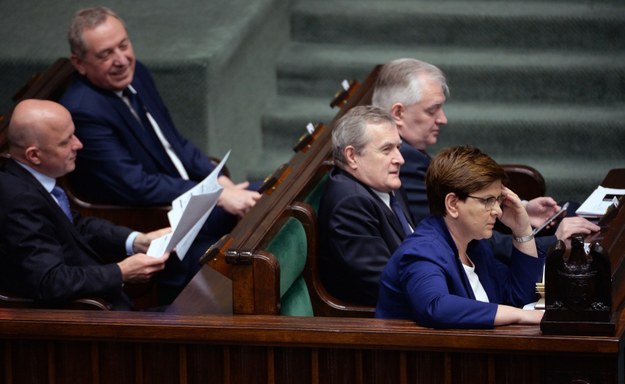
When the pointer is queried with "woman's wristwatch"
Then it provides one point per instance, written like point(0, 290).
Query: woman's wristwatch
point(523, 239)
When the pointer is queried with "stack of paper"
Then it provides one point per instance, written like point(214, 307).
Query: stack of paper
point(599, 201)
point(188, 213)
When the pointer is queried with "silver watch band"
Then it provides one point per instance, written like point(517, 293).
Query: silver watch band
point(523, 239)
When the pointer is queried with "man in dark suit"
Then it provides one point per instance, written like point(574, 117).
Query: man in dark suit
point(46, 253)
point(414, 93)
point(358, 229)
point(133, 154)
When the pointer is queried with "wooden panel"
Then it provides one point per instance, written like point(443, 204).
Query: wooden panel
point(63, 346)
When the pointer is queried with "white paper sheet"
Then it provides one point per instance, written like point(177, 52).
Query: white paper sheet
point(188, 214)
point(599, 200)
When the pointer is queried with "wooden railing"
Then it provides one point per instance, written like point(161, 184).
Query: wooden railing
point(96, 347)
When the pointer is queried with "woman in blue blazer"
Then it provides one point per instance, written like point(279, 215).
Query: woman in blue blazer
point(445, 275)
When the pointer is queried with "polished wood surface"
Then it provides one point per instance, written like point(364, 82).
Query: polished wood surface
point(65, 346)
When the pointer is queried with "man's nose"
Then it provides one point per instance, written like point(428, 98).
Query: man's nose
point(120, 58)
point(398, 158)
point(442, 117)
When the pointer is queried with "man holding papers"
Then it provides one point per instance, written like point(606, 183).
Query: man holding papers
point(47, 252)
point(188, 214)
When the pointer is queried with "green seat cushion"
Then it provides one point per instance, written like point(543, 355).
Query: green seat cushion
point(296, 301)
point(290, 248)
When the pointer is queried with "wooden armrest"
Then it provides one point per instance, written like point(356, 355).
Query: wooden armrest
point(324, 303)
point(9, 300)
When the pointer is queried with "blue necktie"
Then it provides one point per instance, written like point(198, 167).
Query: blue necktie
point(61, 197)
point(400, 215)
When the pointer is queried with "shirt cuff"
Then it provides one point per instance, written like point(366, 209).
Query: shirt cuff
point(129, 241)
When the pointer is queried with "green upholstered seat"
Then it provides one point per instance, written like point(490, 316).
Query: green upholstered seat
point(290, 248)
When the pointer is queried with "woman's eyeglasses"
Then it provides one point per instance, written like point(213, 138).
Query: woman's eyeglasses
point(489, 202)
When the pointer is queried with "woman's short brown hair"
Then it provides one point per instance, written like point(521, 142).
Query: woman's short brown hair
point(461, 170)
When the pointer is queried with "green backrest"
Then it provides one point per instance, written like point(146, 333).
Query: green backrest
point(289, 246)
point(314, 196)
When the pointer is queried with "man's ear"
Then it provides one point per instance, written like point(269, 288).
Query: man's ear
point(451, 205)
point(397, 111)
point(350, 157)
point(32, 155)
point(78, 64)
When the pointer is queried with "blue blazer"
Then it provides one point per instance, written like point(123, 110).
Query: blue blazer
point(358, 233)
point(424, 281)
point(412, 175)
point(122, 162)
point(47, 258)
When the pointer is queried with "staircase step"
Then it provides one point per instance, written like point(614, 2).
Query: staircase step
point(485, 74)
point(287, 118)
point(593, 26)
point(550, 131)
point(511, 133)
point(534, 82)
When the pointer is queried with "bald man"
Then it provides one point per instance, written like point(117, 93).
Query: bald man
point(47, 253)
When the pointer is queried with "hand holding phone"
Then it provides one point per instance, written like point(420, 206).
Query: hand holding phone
point(550, 220)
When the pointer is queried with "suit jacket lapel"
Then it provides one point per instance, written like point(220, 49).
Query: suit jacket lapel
point(388, 212)
point(23, 174)
point(391, 217)
point(145, 137)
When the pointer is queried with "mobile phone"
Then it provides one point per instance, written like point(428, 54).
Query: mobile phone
point(553, 217)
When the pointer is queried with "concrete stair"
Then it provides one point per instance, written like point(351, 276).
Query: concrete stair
point(538, 83)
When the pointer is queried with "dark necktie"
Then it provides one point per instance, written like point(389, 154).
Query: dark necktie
point(138, 108)
point(400, 215)
point(61, 197)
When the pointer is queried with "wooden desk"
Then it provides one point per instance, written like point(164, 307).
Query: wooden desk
point(95, 347)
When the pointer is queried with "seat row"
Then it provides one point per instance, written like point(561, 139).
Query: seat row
point(271, 256)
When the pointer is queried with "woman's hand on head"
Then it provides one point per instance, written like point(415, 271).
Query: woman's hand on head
point(514, 214)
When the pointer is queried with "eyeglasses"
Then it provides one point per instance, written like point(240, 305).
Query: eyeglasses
point(489, 202)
